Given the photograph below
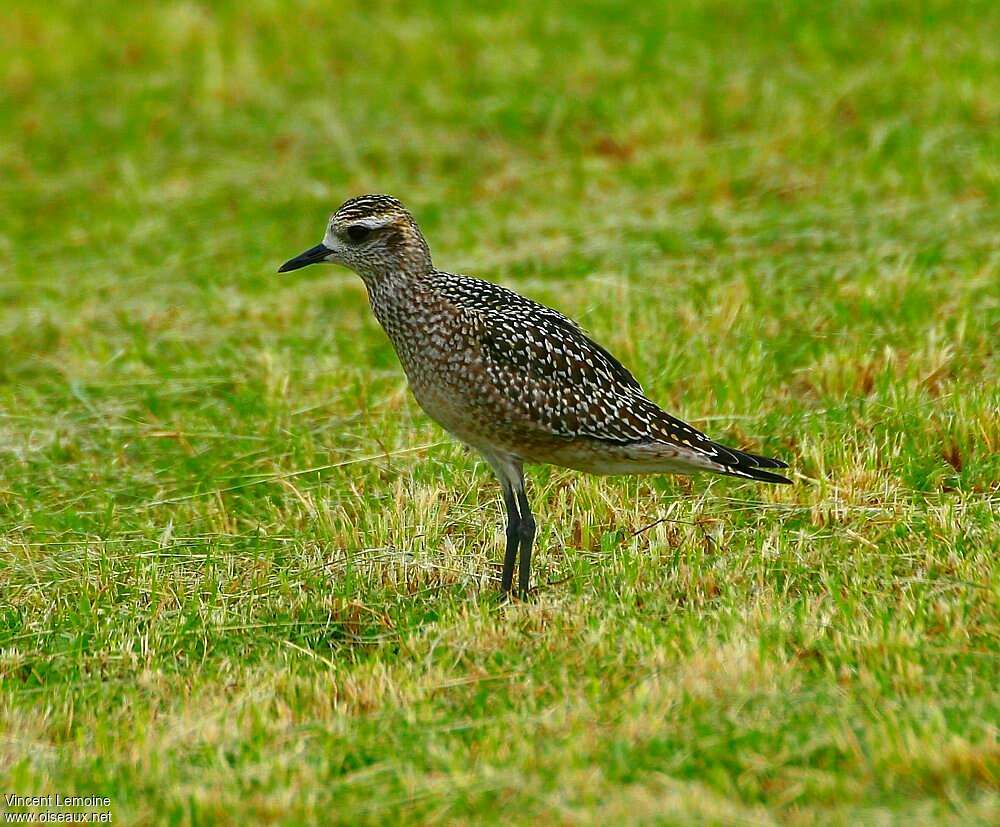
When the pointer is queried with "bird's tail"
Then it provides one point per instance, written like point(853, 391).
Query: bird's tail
point(735, 463)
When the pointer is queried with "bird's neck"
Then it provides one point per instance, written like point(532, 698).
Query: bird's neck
point(395, 286)
point(404, 303)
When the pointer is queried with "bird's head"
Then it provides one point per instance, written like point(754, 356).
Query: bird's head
point(375, 236)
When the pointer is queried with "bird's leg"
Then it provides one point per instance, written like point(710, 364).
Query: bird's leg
point(513, 537)
point(526, 529)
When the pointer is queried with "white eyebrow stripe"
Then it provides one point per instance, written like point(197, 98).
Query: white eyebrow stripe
point(366, 218)
point(371, 222)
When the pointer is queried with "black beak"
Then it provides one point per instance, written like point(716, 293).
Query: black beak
point(313, 255)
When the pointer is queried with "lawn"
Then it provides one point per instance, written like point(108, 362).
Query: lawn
point(243, 578)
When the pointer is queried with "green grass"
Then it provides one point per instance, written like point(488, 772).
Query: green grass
point(243, 578)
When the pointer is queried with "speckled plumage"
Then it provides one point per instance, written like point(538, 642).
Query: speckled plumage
point(514, 379)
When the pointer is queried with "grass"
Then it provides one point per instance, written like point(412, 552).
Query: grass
point(244, 580)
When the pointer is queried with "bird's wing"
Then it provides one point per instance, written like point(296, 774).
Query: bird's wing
point(479, 296)
point(560, 380)
point(561, 383)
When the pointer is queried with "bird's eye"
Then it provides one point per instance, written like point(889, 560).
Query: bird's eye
point(358, 232)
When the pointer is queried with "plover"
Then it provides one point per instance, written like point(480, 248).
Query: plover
point(515, 380)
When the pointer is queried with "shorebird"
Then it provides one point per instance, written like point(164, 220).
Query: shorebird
point(515, 380)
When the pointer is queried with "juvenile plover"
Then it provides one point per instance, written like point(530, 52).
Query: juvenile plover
point(515, 380)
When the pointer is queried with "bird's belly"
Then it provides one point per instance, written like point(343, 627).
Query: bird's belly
point(607, 459)
point(448, 411)
point(481, 422)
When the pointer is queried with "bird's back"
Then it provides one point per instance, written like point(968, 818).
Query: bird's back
point(486, 297)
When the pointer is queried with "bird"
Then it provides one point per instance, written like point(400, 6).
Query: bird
point(515, 380)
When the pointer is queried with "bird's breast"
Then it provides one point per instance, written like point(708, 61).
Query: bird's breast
point(440, 352)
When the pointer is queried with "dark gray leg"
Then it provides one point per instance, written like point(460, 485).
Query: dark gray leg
point(526, 530)
point(520, 523)
point(513, 537)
